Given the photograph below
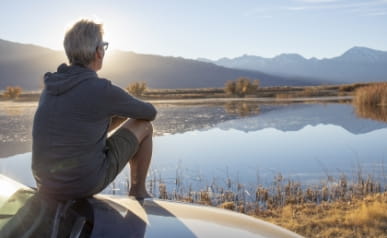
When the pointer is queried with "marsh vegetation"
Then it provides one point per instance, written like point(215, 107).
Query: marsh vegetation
point(340, 204)
point(337, 207)
point(239, 88)
point(371, 101)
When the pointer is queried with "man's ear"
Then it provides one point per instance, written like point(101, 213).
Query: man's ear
point(99, 54)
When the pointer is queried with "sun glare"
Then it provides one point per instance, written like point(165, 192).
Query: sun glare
point(7, 188)
point(121, 31)
point(113, 34)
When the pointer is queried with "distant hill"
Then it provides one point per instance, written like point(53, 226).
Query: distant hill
point(358, 64)
point(24, 65)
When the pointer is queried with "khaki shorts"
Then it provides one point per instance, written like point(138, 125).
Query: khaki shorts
point(121, 147)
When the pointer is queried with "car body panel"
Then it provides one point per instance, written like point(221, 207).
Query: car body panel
point(121, 216)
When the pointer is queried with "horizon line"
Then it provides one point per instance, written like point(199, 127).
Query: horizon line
point(204, 58)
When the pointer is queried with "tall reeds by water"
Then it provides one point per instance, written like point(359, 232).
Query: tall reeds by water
point(251, 199)
point(283, 192)
point(339, 206)
point(371, 101)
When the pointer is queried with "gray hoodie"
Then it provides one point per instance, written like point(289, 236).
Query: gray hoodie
point(70, 129)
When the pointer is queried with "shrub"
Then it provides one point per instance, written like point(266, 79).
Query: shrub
point(12, 92)
point(229, 87)
point(241, 87)
point(137, 88)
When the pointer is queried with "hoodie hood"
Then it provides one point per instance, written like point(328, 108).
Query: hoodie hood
point(66, 78)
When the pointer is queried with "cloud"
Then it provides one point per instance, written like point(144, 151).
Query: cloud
point(359, 7)
point(362, 6)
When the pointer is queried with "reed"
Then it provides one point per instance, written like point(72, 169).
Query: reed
point(280, 193)
point(372, 95)
point(339, 206)
point(371, 101)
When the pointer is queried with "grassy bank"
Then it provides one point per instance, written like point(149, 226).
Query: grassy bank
point(337, 207)
point(277, 92)
point(357, 217)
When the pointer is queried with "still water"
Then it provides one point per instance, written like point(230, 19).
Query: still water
point(205, 144)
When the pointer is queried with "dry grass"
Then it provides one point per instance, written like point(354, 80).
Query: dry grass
point(312, 92)
point(372, 95)
point(365, 217)
point(352, 87)
point(371, 101)
point(284, 95)
point(335, 208)
point(243, 86)
point(319, 91)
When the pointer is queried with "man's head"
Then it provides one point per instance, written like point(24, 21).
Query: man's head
point(84, 45)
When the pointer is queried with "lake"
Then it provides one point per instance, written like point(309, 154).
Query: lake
point(197, 145)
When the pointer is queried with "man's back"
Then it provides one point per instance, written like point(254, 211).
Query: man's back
point(70, 128)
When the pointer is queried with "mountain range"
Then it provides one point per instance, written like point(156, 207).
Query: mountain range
point(358, 64)
point(24, 65)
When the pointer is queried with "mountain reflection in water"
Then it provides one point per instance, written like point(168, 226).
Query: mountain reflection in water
point(246, 142)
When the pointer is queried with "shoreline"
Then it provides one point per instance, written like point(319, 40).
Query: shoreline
point(261, 94)
point(259, 100)
point(335, 207)
point(219, 100)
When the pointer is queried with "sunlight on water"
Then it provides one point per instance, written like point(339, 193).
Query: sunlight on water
point(307, 155)
point(313, 151)
point(306, 143)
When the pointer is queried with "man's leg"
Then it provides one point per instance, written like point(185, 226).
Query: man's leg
point(140, 162)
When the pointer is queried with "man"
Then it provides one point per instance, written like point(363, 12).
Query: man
point(72, 157)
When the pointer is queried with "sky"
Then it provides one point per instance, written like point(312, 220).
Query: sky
point(206, 28)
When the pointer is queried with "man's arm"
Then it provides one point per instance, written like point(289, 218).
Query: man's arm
point(115, 122)
point(119, 102)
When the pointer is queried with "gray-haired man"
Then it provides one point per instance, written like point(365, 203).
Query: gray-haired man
point(72, 156)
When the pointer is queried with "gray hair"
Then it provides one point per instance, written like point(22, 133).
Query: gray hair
point(82, 40)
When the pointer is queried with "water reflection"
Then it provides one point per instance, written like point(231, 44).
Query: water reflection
point(217, 157)
point(242, 141)
point(307, 154)
point(242, 108)
point(374, 112)
point(295, 117)
point(16, 119)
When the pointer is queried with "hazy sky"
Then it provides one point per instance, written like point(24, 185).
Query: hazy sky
point(206, 28)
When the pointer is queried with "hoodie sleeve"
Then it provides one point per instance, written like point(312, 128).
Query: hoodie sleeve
point(120, 103)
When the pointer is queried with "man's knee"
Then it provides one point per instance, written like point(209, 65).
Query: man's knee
point(140, 128)
point(148, 127)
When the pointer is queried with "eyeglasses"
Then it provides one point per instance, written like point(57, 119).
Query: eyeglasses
point(104, 45)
